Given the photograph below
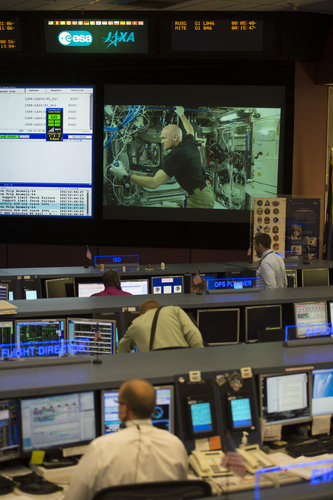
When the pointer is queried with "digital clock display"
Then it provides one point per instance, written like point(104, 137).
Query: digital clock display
point(225, 35)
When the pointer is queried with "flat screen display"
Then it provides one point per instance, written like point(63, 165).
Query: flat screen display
point(167, 284)
point(135, 287)
point(10, 433)
point(163, 416)
point(58, 421)
point(238, 133)
point(322, 392)
point(311, 319)
point(219, 326)
point(262, 318)
point(101, 333)
point(240, 411)
point(285, 398)
point(89, 289)
point(107, 36)
point(53, 126)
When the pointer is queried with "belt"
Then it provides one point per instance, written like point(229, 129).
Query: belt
point(201, 187)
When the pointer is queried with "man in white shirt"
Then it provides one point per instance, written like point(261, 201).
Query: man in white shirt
point(138, 453)
point(271, 272)
point(174, 328)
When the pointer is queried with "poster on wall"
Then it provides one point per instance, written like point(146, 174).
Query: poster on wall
point(302, 227)
point(269, 216)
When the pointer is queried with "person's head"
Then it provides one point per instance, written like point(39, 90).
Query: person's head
point(146, 305)
point(198, 284)
point(262, 242)
point(136, 400)
point(111, 278)
point(171, 136)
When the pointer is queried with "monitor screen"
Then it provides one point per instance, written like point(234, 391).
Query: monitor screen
point(88, 289)
point(261, 318)
point(7, 332)
point(53, 126)
point(315, 277)
point(239, 134)
point(219, 326)
point(10, 433)
point(239, 407)
point(135, 287)
point(167, 284)
point(100, 332)
point(3, 291)
point(104, 35)
point(310, 319)
point(201, 417)
point(39, 332)
point(163, 416)
point(58, 421)
point(322, 392)
point(285, 398)
point(29, 288)
point(60, 287)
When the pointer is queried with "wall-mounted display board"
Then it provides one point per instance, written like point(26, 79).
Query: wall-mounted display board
point(10, 34)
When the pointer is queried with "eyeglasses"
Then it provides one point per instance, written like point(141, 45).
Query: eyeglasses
point(120, 402)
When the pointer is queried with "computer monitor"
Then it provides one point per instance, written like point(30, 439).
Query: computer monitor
point(240, 411)
point(3, 291)
point(167, 284)
point(7, 332)
point(322, 392)
point(311, 319)
point(100, 332)
point(135, 287)
point(60, 287)
point(315, 277)
point(10, 433)
point(58, 421)
point(39, 332)
point(88, 289)
point(30, 288)
point(219, 326)
point(262, 318)
point(200, 416)
point(285, 398)
point(291, 275)
point(163, 416)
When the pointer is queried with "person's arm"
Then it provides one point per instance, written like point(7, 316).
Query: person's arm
point(126, 343)
point(81, 484)
point(191, 332)
point(149, 182)
point(186, 124)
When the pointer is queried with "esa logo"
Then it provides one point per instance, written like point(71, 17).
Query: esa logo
point(75, 38)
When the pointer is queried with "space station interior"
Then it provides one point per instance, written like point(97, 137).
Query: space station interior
point(239, 150)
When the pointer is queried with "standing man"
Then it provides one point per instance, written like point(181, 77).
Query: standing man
point(138, 453)
point(271, 271)
point(183, 163)
point(174, 328)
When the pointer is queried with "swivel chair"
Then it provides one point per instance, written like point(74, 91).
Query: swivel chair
point(163, 490)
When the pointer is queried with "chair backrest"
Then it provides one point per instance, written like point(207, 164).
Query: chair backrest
point(165, 490)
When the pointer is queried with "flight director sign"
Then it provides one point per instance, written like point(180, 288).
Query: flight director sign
point(97, 36)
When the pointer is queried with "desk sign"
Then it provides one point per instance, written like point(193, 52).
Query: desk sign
point(224, 35)
point(10, 35)
point(96, 36)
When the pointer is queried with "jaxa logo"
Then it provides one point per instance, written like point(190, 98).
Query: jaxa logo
point(115, 38)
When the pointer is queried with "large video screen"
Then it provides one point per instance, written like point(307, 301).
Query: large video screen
point(205, 150)
point(46, 142)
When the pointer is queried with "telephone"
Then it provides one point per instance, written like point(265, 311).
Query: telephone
point(208, 463)
point(255, 458)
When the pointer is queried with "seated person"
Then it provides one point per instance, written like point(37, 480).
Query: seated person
point(174, 328)
point(138, 453)
point(111, 281)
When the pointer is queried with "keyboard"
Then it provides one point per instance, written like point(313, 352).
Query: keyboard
point(311, 448)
